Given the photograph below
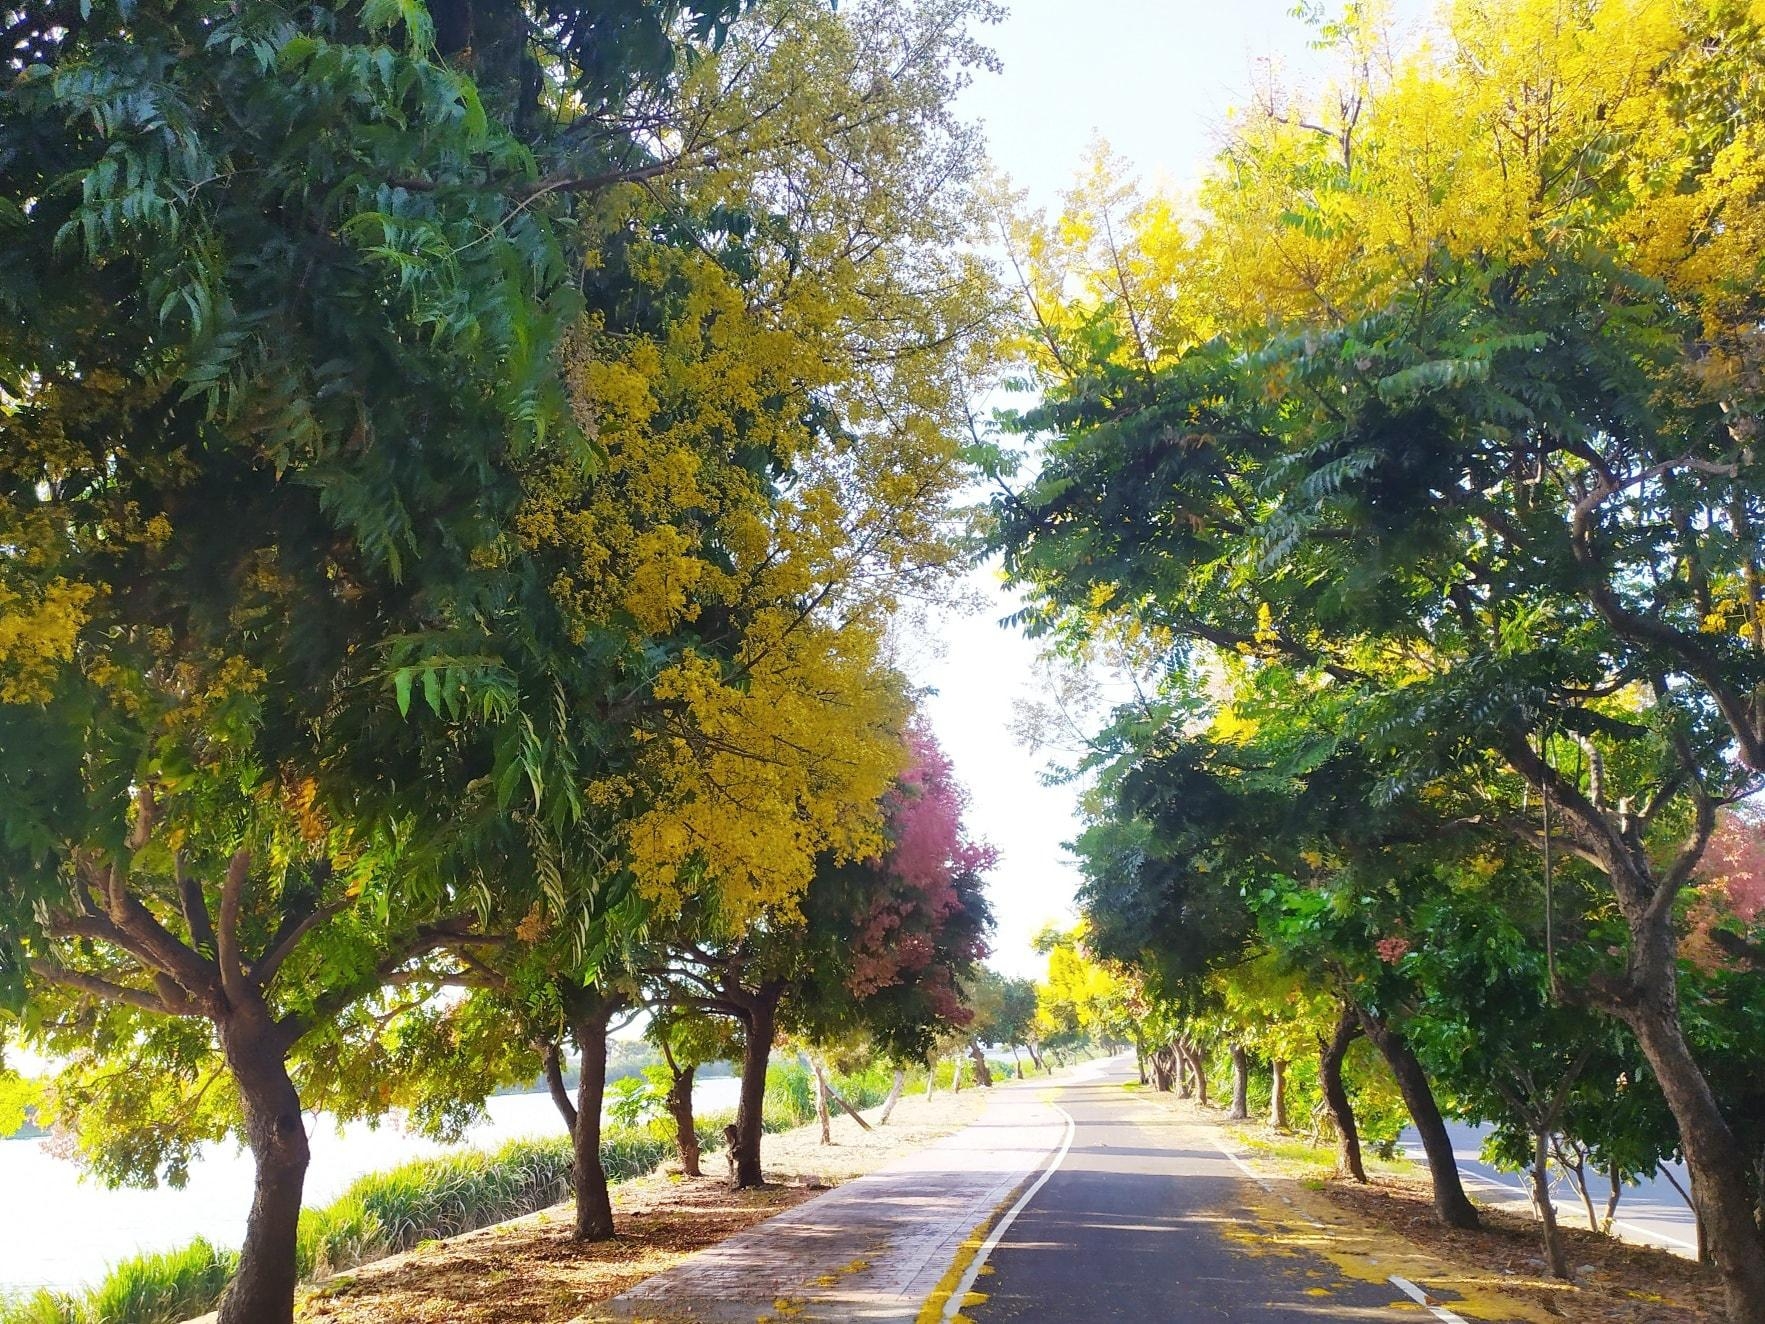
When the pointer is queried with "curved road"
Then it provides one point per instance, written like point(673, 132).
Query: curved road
point(1145, 1220)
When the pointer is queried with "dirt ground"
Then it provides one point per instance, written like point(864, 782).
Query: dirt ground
point(1503, 1261)
point(529, 1271)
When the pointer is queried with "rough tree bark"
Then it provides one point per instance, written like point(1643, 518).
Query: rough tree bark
point(759, 1017)
point(1240, 1084)
point(1278, 1094)
point(1451, 1205)
point(1197, 1069)
point(1163, 1062)
point(591, 1011)
point(262, 1291)
point(983, 1074)
point(680, 1108)
point(1330, 1055)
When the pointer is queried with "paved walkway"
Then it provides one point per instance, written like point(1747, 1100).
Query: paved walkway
point(871, 1250)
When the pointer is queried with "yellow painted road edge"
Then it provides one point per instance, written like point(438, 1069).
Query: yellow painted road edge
point(943, 1303)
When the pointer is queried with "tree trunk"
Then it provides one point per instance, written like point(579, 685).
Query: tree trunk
point(1719, 1192)
point(1547, 1214)
point(554, 1083)
point(1612, 1198)
point(1162, 1062)
point(1240, 1084)
point(1348, 1138)
point(760, 1022)
point(262, 1290)
point(1577, 1170)
point(680, 1108)
point(983, 1074)
point(1015, 1057)
point(594, 1203)
point(1041, 1063)
point(821, 1114)
point(896, 1085)
point(1451, 1205)
point(1278, 1094)
point(931, 1079)
point(1185, 1078)
point(1197, 1069)
point(956, 1074)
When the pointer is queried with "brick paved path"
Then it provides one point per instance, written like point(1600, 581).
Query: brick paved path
point(871, 1250)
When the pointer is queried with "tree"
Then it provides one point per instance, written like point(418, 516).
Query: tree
point(1460, 415)
point(877, 946)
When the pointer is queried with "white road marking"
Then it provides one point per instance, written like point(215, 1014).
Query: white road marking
point(953, 1306)
point(1420, 1297)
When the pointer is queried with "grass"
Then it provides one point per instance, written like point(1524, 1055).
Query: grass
point(1319, 1155)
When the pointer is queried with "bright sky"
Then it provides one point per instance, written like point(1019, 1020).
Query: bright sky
point(1155, 79)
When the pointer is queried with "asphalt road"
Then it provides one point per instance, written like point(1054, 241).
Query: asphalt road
point(1145, 1221)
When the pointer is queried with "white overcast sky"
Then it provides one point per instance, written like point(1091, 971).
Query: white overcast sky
point(1156, 80)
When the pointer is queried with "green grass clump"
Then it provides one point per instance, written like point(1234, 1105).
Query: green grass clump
point(163, 1288)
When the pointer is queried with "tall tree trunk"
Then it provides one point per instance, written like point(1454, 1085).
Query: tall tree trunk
point(1185, 1078)
point(1451, 1205)
point(1719, 1193)
point(1348, 1137)
point(956, 1074)
point(594, 1203)
point(983, 1074)
point(1541, 1200)
point(1240, 1084)
point(759, 1022)
point(262, 1291)
point(1018, 1060)
point(931, 1078)
point(1041, 1062)
point(680, 1108)
point(1278, 1094)
point(896, 1085)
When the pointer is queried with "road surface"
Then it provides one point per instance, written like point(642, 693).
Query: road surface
point(1146, 1219)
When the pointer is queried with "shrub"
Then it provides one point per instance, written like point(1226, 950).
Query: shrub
point(163, 1288)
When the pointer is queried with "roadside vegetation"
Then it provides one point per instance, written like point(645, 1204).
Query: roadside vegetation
point(1392, 513)
point(462, 465)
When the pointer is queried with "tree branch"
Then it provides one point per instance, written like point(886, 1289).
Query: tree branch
point(56, 973)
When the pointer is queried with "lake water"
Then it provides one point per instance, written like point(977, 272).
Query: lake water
point(58, 1230)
